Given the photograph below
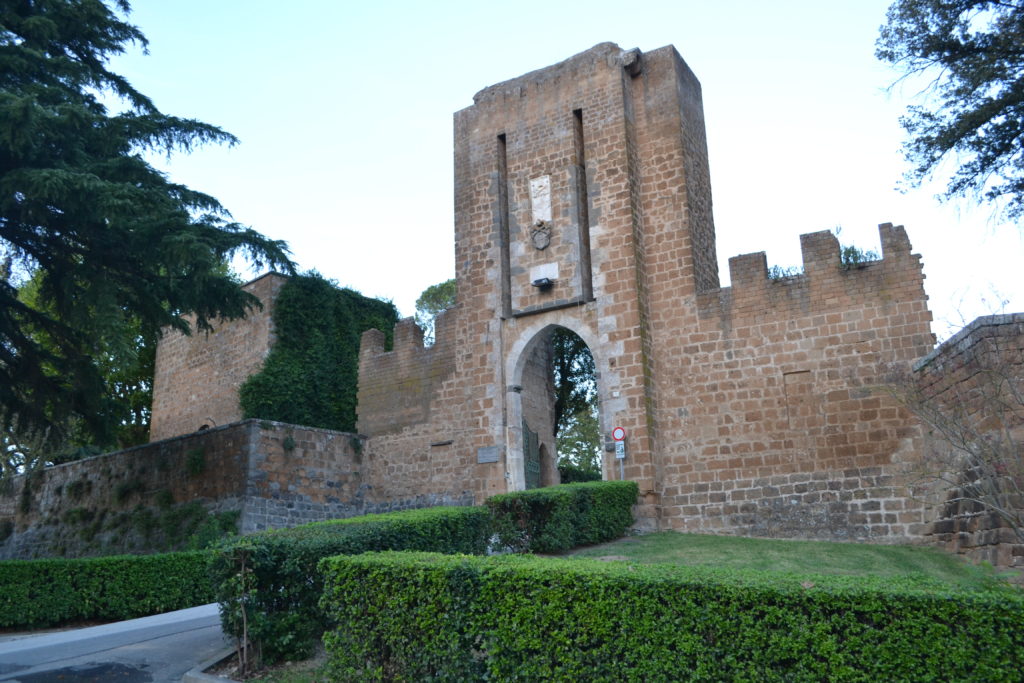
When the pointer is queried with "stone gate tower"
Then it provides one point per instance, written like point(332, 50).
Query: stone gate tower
point(583, 201)
point(581, 195)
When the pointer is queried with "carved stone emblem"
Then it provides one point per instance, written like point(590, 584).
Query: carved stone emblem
point(540, 234)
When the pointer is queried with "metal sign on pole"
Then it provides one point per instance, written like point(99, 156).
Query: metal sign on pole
point(619, 434)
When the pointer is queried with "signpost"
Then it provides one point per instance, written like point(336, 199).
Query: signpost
point(619, 434)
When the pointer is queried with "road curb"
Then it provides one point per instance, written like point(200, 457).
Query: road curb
point(198, 675)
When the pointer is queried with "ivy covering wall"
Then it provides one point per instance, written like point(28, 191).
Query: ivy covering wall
point(310, 375)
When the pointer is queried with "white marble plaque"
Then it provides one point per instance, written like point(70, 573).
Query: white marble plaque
point(545, 270)
point(540, 199)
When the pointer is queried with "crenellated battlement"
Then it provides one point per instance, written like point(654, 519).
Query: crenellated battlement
point(397, 387)
point(408, 337)
point(826, 283)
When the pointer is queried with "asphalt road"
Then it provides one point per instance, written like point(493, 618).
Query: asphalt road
point(157, 649)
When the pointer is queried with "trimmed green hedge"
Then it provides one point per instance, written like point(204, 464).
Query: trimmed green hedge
point(563, 517)
point(419, 616)
point(273, 575)
point(38, 593)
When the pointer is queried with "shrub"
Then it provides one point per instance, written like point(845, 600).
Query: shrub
point(562, 517)
point(37, 593)
point(270, 582)
point(79, 488)
point(126, 489)
point(572, 473)
point(76, 516)
point(213, 528)
point(164, 499)
point(195, 462)
point(782, 272)
point(418, 616)
point(853, 257)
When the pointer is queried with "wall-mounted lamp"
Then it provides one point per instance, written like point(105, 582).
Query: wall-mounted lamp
point(543, 283)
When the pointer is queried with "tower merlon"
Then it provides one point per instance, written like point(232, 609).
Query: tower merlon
point(748, 270)
point(819, 251)
point(371, 344)
point(894, 240)
point(408, 335)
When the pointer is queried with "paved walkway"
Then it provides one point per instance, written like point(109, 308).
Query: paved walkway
point(157, 649)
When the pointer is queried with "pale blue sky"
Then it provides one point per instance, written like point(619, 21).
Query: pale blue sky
point(344, 111)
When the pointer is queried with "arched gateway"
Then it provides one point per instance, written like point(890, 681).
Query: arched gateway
point(582, 197)
point(530, 404)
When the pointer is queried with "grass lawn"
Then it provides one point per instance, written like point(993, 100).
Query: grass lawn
point(309, 671)
point(796, 557)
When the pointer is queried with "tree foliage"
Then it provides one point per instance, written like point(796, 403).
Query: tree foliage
point(113, 241)
point(126, 362)
point(974, 52)
point(579, 447)
point(312, 372)
point(434, 300)
point(575, 381)
point(577, 428)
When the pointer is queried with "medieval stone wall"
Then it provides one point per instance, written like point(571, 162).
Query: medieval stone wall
point(197, 377)
point(412, 406)
point(107, 504)
point(273, 474)
point(754, 409)
point(299, 474)
point(970, 389)
point(401, 384)
point(773, 414)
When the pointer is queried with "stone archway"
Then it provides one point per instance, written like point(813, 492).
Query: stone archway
point(532, 452)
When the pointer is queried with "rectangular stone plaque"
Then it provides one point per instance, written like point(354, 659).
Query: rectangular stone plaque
point(540, 198)
point(548, 270)
point(486, 454)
